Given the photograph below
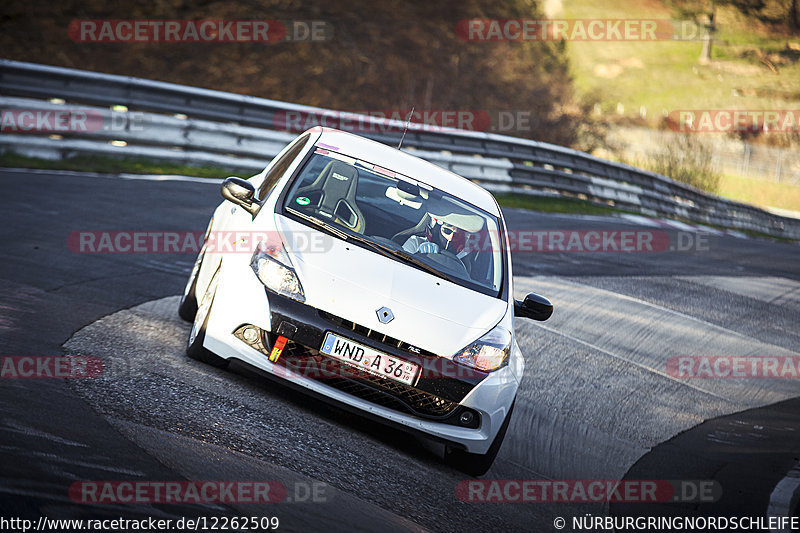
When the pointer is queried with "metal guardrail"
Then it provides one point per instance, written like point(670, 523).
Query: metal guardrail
point(146, 135)
point(238, 131)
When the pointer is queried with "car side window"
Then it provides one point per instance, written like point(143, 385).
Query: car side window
point(279, 168)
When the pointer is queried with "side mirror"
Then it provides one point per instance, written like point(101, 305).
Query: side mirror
point(242, 193)
point(534, 306)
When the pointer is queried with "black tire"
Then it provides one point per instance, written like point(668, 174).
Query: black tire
point(197, 336)
point(187, 309)
point(476, 464)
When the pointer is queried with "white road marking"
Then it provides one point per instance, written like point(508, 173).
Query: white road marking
point(649, 335)
point(631, 361)
point(770, 289)
point(640, 220)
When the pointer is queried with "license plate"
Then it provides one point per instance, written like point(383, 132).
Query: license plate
point(369, 360)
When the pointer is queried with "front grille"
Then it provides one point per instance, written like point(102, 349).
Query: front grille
point(374, 335)
point(309, 362)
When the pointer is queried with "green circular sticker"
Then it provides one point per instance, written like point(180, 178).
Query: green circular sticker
point(302, 200)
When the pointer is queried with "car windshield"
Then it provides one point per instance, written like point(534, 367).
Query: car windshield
point(400, 217)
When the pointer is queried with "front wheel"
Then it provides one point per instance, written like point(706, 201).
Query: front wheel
point(476, 464)
point(197, 336)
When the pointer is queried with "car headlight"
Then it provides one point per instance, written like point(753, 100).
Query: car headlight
point(273, 267)
point(488, 353)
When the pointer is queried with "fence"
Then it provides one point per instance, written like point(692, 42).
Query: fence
point(728, 156)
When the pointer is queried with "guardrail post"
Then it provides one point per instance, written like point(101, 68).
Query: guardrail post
point(746, 168)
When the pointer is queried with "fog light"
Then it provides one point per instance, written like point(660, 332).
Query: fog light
point(466, 418)
point(250, 335)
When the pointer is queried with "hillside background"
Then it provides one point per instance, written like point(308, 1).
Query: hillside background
point(594, 96)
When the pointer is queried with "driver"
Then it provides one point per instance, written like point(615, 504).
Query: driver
point(438, 237)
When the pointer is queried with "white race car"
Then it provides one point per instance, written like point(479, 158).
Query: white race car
point(366, 276)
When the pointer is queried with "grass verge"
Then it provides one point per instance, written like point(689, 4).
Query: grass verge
point(549, 204)
point(643, 79)
point(112, 165)
point(760, 192)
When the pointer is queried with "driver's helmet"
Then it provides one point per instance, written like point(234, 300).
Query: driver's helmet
point(446, 236)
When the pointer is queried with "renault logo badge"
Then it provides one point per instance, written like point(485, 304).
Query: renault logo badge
point(385, 315)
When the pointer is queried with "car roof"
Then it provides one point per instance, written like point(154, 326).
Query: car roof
point(407, 165)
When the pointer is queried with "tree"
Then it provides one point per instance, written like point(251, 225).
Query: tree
point(383, 55)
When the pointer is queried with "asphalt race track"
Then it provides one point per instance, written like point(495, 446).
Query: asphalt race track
point(599, 401)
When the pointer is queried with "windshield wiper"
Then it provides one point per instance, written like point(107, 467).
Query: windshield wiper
point(402, 254)
point(320, 224)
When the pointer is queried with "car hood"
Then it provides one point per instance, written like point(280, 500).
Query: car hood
point(352, 282)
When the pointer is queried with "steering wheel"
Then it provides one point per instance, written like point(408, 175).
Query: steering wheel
point(449, 261)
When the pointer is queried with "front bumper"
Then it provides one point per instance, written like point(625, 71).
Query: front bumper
point(448, 402)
